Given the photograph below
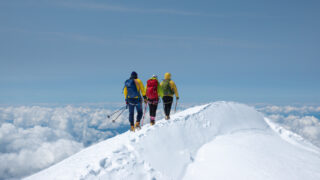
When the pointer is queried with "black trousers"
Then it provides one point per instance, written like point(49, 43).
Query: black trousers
point(153, 105)
point(167, 101)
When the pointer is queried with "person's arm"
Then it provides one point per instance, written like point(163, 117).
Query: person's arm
point(174, 87)
point(160, 91)
point(146, 87)
point(142, 90)
point(125, 92)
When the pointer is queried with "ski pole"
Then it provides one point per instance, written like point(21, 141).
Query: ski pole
point(116, 111)
point(175, 108)
point(114, 120)
point(144, 113)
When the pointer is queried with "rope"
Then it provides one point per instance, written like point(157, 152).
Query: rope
point(132, 104)
point(153, 102)
point(167, 102)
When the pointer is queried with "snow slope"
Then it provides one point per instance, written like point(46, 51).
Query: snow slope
point(222, 140)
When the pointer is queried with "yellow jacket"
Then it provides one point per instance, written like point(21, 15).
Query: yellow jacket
point(140, 89)
point(167, 76)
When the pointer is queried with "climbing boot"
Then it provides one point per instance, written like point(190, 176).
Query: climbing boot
point(137, 125)
point(152, 122)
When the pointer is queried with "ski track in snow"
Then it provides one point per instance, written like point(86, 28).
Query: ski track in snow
point(169, 149)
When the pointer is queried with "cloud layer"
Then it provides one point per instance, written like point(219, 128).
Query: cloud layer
point(35, 137)
point(303, 120)
point(124, 9)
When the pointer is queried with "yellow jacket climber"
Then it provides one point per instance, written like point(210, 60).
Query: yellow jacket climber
point(169, 89)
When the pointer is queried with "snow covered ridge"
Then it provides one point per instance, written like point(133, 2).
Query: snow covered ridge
point(222, 140)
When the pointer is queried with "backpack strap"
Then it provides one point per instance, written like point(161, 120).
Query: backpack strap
point(136, 85)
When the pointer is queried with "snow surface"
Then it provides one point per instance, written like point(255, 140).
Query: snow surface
point(222, 140)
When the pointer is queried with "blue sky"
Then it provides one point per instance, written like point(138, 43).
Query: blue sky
point(68, 51)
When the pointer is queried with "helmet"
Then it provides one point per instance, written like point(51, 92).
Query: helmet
point(167, 76)
point(155, 76)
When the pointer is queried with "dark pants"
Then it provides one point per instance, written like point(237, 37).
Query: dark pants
point(133, 102)
point(167, 101)
point(153, 105)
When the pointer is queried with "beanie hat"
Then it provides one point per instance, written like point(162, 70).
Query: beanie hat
point(134, 75)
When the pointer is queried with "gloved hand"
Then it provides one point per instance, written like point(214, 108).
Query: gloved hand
point(177, 98)
point(127, 102)
point(145, 99)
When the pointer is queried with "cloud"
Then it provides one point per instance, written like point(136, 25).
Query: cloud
point(75, 36)
point(299, 119)
point(35, 137)
point(222, 42)
point(289, 109)
point(167, 11)
point(25, 151)
point(156, 40)
point(124, 9)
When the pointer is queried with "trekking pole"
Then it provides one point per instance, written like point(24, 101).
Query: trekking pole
point(144, 113)
point(175, 108)
point(116, 111)
point(114, 120)
point(164, 111)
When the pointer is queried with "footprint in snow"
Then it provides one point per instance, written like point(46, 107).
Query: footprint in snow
point(103, 162)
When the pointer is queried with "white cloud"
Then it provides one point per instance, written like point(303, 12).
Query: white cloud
point(35, 137)
point(115, 8)
point(75, 36)
point(299, 119)
point(24, 151)
point(289, 109)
